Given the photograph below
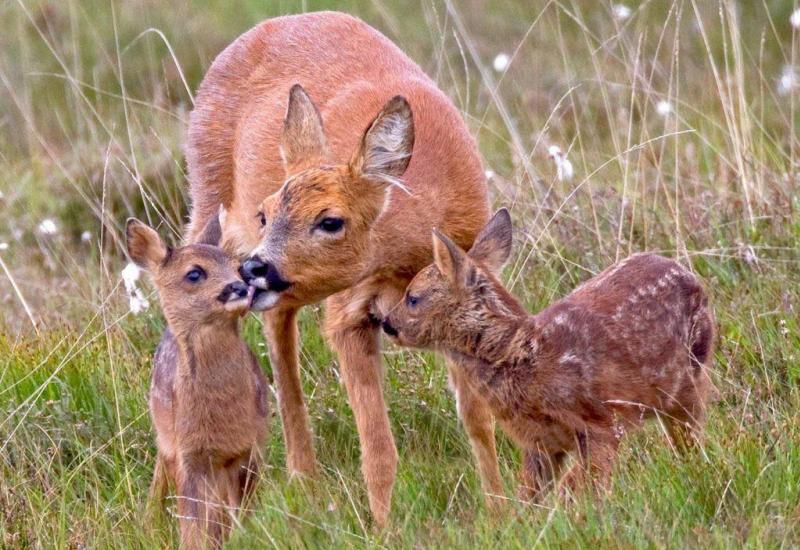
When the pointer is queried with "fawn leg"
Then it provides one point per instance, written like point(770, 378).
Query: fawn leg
point(355, 339)
point(280, 329)
point(597, 452)
point(200, 514)
point(479, 424)
point(160, 483)
point(538, 472)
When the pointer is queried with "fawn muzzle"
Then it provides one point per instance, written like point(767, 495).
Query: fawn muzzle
point(263, 275)
point(389, 329)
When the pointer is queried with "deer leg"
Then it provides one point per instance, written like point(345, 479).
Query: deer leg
point(356, 344)
point(597, 453)
point(200, 513)
point(538, 472)
point(280, 329)
point(478, 422)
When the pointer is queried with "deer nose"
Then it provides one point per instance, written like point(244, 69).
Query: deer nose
point(253, 268)
point(233, 291)
point(388, 328)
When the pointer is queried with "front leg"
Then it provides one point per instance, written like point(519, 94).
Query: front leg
point(479, 424)
point(538, 473)
point(354, 337)
point(280, 329)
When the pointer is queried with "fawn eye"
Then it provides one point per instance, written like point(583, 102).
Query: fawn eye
point(195, 275)
point(262, 218)
point(331, 225)
point(411, 300)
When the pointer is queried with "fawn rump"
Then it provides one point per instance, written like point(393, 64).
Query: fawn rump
point(208, 393)
point(304, 128)
point(631, 343)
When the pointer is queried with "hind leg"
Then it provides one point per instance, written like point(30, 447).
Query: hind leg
point(538, 473)
point(686, 418)
point(597, 453)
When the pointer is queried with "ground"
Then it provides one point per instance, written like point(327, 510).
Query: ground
point(679, 123)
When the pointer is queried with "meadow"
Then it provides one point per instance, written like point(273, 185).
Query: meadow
point(606, 128)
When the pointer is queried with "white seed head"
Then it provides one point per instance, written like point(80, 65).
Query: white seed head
point(130, 275)
point(794, 19)
point(501, 62)
point(48, 227)
point(788, 80)
point(3, 246)
point(664, 108)
point(86, 236)
point(621, 11)
point(564, 169)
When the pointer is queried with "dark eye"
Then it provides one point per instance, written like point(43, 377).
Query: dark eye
point(331, 225)
point(411, 300)
point(262, 218)
point(195, 275)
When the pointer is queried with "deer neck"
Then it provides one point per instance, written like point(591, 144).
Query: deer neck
point(210, 353)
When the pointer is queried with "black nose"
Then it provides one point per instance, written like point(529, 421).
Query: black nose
point(388, 328)
point(233, 290)
point(253, 268)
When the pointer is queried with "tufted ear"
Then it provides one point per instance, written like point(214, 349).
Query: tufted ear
point(450, 259)
point(303, 143)
point(145, 247)
point(493, 245)
point(385, 149)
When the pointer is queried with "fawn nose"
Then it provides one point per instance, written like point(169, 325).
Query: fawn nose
point(254, 268)
point(233, 291)
point(388, 328)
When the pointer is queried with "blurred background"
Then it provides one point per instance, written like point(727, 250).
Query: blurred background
point(607, 128)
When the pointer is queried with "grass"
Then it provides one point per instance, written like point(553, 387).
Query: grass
point(683, 137)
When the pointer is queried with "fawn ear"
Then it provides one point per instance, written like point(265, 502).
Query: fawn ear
point(493, 245)
point(145, 247)
point(212, 232)
point(303, 143)
point(385, 149)
point(450, 260)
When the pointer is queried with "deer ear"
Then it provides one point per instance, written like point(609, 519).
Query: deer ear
point(450, 260)
point(212, 232)
point(385, 150)
point(145, 247)
point(493, 245)
point(303, 142)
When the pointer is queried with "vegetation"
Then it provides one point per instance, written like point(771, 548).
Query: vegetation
point(679, 122)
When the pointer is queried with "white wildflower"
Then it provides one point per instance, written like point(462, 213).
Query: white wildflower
point(621, 11)
point(788, 80)
point(664, 107)
point(501, 62)
point(794, 19)
point(138, 302)
point(564, 169)
point(86, 236)
point(48, 227)
point(2, 195)
point(130, 275)
point(3, 246)
point(489, 174)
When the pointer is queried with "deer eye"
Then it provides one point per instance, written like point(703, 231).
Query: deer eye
point(411, 300)
point(262, 218)
point(331, 225)
point(195, 275)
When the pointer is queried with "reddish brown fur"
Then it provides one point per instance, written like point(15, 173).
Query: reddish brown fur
point(330, 166)
point(208, 393)
point(628, 344)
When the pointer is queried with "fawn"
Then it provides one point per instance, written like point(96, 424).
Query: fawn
point(326, 201)
point(628, 344)
point(208, 395)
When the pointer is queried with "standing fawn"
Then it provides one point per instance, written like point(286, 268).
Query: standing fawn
point(628, 344)
point(317, 205)
point(208, 393)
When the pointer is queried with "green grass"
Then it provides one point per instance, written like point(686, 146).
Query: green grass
point(92, 117)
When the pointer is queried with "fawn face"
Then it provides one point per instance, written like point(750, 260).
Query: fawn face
point(316, 229)
point(197, 284)
point(456, 296)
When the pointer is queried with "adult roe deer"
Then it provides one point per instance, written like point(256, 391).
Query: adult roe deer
point(318, 205)
point(628, 344)
point(208, 395)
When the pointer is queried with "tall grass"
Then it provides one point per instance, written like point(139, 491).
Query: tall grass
point(680, 121)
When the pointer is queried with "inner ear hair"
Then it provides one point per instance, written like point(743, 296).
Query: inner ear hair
point(303, 143)
point(386, 147)
point(212, 232)
point(492, 246)
point(449, 258)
